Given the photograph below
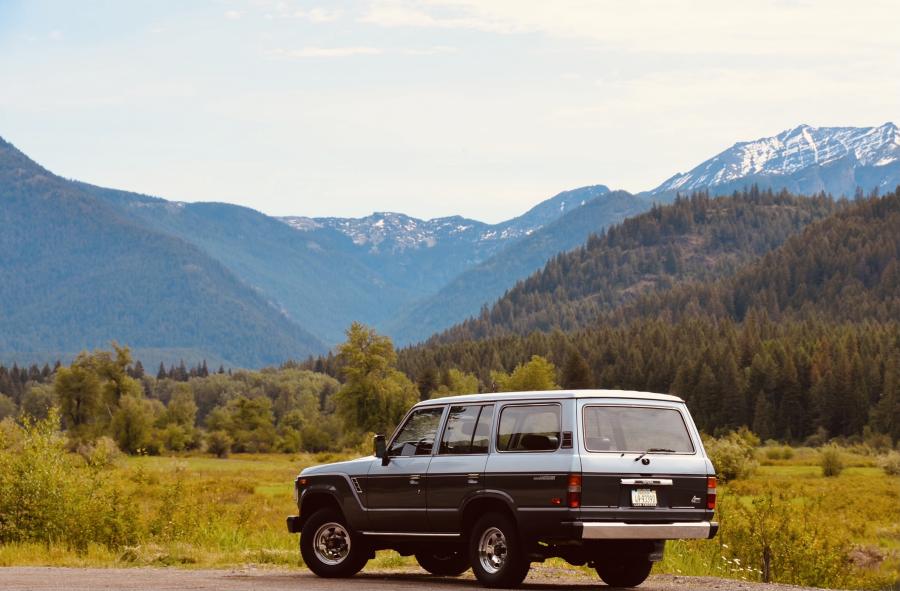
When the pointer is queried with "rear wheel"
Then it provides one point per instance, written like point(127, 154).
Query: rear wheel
point(330, 548)
point(444, 564)
point(496, 552)
point(625, 572)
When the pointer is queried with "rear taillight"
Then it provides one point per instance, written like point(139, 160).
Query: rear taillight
point(711, 492)
point(573, 497)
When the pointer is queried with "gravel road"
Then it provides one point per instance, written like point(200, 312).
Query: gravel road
point(84, 579)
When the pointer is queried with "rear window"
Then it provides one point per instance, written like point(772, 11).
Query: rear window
point(635, 429)
point(529, 428)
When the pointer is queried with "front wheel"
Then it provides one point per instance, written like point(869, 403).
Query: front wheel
point(443, 564)
point(626, 572)
point(329, 548)
point(496, 552)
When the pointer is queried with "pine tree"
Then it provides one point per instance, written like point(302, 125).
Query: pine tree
point(576, 374)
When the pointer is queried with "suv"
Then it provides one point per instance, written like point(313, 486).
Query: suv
point(494, 482)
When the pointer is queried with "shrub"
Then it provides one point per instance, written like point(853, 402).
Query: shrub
point(817, 439)
point(782, 539)
point(732, 456)
point(890, 463)
point(103, 453)
point(779, 452)
point(831, 461)
point(52, 497)
point(218, 443)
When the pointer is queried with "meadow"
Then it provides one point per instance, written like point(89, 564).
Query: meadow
point(198, 511)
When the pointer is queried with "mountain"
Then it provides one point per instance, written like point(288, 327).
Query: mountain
point(395, 232)
point(325, 273)
point(422, 256)
point(843, 268)
point(803, 160)
point(316, 278)
point(75, 273)
point(318, 274)
point(696, 238)
point(485, 282)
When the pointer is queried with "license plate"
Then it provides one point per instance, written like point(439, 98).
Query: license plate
point(643, 497)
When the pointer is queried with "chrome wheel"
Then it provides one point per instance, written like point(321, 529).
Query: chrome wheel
point(492, 550)
point(331, 543)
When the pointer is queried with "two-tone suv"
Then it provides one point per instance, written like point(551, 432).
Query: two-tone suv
point(494, 482)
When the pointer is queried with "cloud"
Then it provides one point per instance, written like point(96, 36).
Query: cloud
point(766, 27)
point(232, 15)
point(325, 52)
point(319, 15)
point(328, 52)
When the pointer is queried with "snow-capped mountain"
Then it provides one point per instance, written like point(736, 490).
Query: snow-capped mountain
point(805, 159)
point(388, 232)
point(393, 231)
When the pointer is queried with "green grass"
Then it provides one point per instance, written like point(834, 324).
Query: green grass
point(230, 512)
point(861, 507)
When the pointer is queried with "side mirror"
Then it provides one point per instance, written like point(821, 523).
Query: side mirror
point(381, 450)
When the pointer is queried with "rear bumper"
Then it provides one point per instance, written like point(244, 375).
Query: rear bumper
point(696, 530)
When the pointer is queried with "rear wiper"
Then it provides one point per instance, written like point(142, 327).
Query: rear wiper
point(655, 450)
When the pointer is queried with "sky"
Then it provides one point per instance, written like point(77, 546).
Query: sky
point(427, 107)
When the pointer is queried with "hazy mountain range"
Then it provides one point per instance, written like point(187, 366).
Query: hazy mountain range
point(82, 265)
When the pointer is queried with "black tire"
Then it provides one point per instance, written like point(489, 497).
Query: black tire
point(626, 572)
point(347, 549)
point(444, 564)
point(505, 564)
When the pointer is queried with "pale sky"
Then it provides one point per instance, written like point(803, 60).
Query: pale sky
point(428, 107)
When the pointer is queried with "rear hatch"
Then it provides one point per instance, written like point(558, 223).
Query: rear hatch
point(641, 463)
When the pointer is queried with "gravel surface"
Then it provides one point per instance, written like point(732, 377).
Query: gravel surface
point(83, 579)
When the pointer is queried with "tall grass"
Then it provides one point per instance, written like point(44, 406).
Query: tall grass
point(59, 508)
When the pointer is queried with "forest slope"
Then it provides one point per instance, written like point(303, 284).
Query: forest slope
point(696, 238)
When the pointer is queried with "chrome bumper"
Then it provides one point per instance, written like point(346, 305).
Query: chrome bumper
point(696, 530)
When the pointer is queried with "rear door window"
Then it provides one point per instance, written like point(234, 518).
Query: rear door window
point(529, 428)
point(468, 430)
point(635, 429)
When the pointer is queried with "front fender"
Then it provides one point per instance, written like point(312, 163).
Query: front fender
point(339, 490)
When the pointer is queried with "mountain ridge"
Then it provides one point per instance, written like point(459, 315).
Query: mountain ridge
point(785, 161)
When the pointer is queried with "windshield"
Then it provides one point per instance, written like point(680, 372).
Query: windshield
point(635, 429)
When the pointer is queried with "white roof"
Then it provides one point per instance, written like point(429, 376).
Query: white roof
point(554, 394)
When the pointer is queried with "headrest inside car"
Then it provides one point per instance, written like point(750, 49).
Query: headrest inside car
point(535, 441)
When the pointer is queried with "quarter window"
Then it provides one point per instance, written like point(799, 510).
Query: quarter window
point(468, 430)
point(529, 428)
point(416, 437)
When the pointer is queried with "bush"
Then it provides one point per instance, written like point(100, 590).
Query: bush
point(732, 455)
point(103, 453)
point(890, 463)
point(49, 496)
point(779, 452)
point(781, 539)
point(831, 461)
point(218, 443)
point(817, 439)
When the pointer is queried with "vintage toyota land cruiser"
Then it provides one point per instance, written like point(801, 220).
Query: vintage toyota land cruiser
point(494, 482)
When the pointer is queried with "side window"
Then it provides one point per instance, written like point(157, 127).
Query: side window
point(468, 430)
point(529, 428)
point(416, 437)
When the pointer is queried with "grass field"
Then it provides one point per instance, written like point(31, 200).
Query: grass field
point(198, 512)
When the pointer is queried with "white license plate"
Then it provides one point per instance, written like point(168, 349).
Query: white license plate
point(643, 497)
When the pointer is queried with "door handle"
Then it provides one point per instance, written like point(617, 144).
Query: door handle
point(414, 479)
point(473, 478)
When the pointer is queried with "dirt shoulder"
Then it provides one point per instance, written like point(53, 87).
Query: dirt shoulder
point(77, 579)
